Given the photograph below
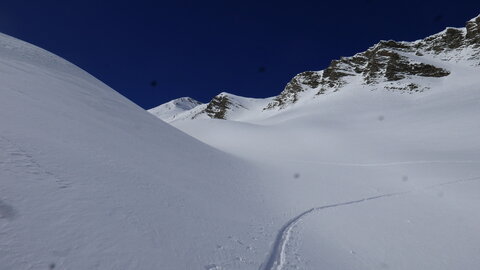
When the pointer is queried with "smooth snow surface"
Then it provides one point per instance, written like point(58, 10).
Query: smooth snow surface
point(88, 180)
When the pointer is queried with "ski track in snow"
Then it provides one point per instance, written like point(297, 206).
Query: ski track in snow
point(277, 257)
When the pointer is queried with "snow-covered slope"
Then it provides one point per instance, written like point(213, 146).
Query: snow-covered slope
point(379, 171)
point(88, 180)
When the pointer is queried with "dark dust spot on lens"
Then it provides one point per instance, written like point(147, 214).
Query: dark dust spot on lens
point(381, 118)
point(404, 178)
point(153, 83)
point(6, 210)
point(262, 69)
point(438, 18)
point(52, 266)
point(296, 175)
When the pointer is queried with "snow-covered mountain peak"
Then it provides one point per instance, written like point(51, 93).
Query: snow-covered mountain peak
point(168, 111)
point(185, 103)
point(225, 94)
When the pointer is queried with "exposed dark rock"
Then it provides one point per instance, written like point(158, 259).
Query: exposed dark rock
point(394, 44)
point(382, 62)
point(452, 38)
point(333, 74)
point(310, 78)
point(411, 87)
point(302, 81)
point(473, 32)
point(398, 67)
point(376, 63)
point(218, 107)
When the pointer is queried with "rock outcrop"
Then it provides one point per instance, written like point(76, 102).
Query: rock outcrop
point(388, 61)
point(218, 106)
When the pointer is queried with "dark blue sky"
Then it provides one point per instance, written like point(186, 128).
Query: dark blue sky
point(200, 48)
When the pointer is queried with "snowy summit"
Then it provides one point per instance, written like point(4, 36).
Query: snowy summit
point(168, 111)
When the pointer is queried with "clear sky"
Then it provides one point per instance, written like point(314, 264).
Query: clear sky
point(155, 51)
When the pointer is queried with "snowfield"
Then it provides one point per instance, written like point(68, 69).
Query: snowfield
point(88, 180)
point(362, 178)
point(377, 180)
point(373, 176)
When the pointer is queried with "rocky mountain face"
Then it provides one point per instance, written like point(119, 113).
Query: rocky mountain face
point(223, 103)
point(392, 65)
point(390, 61)
point(301, 82)
point(218, 106)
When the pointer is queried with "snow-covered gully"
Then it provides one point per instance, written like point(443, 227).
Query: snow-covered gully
point(276, 259)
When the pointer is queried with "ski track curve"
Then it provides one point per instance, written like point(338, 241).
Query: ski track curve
point(276, 259)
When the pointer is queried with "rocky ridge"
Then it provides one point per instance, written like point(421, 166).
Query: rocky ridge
point(389, 61)
point(391, 65)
